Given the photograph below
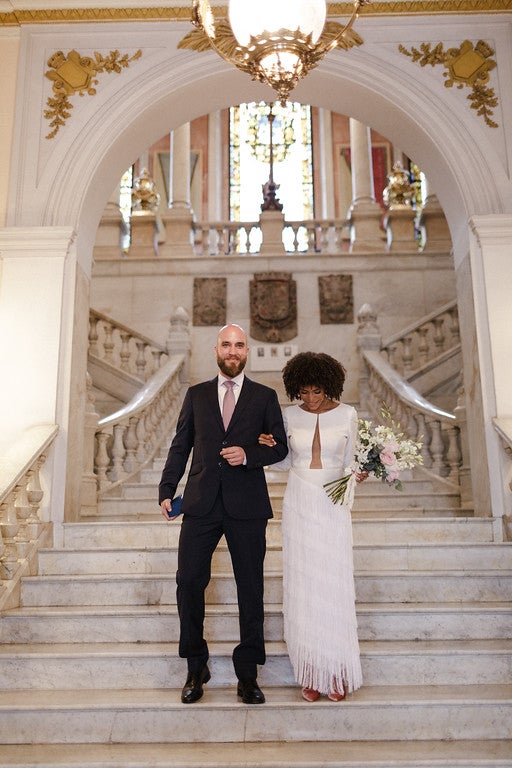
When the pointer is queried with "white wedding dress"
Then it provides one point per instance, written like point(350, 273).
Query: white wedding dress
point(318, 575)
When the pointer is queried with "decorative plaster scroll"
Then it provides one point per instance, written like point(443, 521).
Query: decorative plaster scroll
point(76, 74)
point(467, 65)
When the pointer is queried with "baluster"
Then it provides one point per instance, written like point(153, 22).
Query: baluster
point(102, 459)
point(439, 337)
point(9, 527)
point(125, 350)
point(422, 434)
point(108, 343)
point(407, 356)
point(131, 443)
point(23, 510)
point(35, 497)
point(118, 453)
point(437, 447)
point(93, 335)
point(141, 361)
point(453, 454)
point(423, 344)
point(157, 359)
point(391, 355)
point(454, 325)
point(140, 432)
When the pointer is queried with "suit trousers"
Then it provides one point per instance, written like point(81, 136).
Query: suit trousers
point(246, 542)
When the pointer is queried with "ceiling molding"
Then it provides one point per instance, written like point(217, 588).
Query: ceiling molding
point(22, 16)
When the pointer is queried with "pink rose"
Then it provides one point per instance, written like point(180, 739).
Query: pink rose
point(392, 476)
point(388, 457)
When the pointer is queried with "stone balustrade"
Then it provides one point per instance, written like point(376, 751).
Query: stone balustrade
point(236, 237)
point(21, 498)
point(120, 346)
point(382, 384)
point(418, 345)
point(420, 420)
point(129, 439)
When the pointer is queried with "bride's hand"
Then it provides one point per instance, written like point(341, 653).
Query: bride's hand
point(268, 440)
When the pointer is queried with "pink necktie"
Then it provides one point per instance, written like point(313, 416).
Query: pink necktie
point(228, 404)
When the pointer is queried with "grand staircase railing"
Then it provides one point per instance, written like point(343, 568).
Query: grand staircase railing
point(128, 439)
point(382, 384)
point(120, 346)
point(425, 341)
point(22, 530)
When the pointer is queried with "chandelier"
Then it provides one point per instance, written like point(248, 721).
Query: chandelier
point(277, 42)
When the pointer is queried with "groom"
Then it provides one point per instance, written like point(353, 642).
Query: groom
point(225, 494)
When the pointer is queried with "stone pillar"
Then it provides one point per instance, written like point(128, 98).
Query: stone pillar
point(436, 233)
point(89, 489)
point(44, 323)
point(178, 219)
point(214, 166)
point(486, 355)
point(178, 340)
point(108, 237)
point(326, 164)
point(143, 223)
point(365, 214)
point(400, 216)
point(272, 224)
point(368, 337)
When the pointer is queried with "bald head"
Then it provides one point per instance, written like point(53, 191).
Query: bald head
point(231, 350)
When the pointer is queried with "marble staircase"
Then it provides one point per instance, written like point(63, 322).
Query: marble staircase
point(91, 676)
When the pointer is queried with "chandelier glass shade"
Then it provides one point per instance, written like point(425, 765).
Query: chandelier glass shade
point(276, 42)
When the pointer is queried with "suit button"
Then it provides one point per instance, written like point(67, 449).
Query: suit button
point(220, 463)
point(224, 442)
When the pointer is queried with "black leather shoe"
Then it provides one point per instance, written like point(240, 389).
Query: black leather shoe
point(250, 692)
point(193, 688)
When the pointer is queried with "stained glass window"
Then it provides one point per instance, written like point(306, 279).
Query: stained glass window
point(249, 161)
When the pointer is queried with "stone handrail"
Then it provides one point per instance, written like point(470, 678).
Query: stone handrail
point(122, 347)
point(424, 341)
point(241, 237)
point(437, 429)
point(20, 499)
point(129, 438)
point(503, 426)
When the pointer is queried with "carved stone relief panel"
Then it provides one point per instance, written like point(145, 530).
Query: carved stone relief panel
point(210, 301)
point(273, 297)
point(336, 299)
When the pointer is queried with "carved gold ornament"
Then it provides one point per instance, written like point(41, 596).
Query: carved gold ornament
point(467, 65)
point(76, 74)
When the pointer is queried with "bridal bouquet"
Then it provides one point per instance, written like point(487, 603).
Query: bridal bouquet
point(383, 452)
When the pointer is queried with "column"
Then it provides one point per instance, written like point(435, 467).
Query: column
point(365, 214)
point(491, 277)
point(178, 219)
point(44, 309)
point(326, 164)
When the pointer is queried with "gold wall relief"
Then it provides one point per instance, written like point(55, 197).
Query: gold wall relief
point(73, 74)
point(467, 65)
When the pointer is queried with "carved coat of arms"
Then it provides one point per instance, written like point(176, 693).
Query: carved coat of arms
point(273, 298)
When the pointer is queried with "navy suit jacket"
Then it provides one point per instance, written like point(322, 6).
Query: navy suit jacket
point(200, 430)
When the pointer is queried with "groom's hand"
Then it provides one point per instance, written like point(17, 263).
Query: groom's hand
point(234, 455)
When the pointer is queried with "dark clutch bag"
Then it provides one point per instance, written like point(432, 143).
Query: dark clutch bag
point(176, 506)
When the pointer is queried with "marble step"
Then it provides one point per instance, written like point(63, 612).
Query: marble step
point(366, 558)
point(407, 713)
point(157, 665)
point(159, 589)
point(276, 754)
point(157, 532)
point(144, 499)
point(146, 623)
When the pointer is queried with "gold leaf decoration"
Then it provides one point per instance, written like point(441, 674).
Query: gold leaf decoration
point(73, 74)
point(467, 65)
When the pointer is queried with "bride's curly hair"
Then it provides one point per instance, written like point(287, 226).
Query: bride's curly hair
point(313, 369)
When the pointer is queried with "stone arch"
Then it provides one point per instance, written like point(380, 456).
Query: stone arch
point(459, 160)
